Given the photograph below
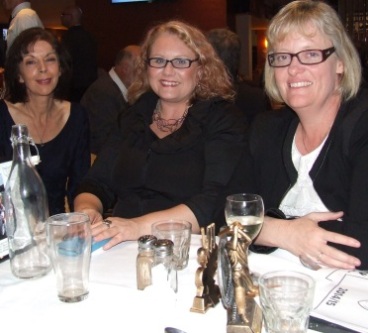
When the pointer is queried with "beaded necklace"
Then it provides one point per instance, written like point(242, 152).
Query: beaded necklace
point(167, 125)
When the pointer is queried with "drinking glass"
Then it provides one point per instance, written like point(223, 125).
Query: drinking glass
point(244, 214)
point(69, 239)
point(286, 298)
point(248, 210)
point(179, 232)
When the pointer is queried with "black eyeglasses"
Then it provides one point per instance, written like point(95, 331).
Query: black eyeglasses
point(157, 62)
point(306, 57)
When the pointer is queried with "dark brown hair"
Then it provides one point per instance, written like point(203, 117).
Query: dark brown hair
point(15, 90)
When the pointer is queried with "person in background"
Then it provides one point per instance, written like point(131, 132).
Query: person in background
point(177, 147)
point(37, 76)
point(82, 47)
point(22, 18)
point(250, 99)
point(107, 96)
point(309, 160)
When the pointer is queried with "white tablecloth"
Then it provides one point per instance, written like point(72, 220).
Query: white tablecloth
point(114, 303)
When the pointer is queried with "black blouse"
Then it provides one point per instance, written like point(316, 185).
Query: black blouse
point(64, 160)
point(195, 165)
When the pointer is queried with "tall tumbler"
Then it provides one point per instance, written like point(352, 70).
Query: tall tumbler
point(69, 239)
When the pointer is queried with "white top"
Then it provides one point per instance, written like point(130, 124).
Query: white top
point(302, 198)
point(120, 83)
point(23, 17)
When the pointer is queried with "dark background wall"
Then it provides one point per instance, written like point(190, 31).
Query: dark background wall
point(117, 25)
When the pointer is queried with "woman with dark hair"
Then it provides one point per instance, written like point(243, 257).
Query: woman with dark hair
point(177, 147)
point(37, 71)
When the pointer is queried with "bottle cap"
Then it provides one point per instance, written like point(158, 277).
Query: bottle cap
point(146, 242)
point(163, 247)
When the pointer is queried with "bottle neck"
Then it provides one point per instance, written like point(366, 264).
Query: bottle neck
point(21, 143)
point(21, 152)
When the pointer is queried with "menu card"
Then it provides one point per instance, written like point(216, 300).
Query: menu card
point(342, 298)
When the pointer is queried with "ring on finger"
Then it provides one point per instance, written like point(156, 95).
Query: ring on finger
point(318, 258)
point(107, 223)
point(309, 262)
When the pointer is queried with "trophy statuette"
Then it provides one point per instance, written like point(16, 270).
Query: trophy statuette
point(208, 293)
point(236, 284)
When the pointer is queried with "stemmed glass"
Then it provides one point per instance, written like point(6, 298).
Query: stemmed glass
point(244, 214)
point(248, 210)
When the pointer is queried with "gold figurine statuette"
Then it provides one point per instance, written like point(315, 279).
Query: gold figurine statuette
point(208, 293)
point(236, 284)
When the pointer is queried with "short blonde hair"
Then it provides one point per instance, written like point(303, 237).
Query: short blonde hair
point(213, 80)
point(295, 16)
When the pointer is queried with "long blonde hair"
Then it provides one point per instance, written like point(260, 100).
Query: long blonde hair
point(213, 80)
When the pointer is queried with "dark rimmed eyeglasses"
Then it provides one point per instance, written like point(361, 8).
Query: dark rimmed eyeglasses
point(157, 62)
point(305, 57)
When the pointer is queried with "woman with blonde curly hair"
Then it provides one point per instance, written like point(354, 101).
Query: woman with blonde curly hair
point(213, 80)
point(175, 153)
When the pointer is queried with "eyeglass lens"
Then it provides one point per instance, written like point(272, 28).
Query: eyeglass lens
point(176, 62)
point(306, 57)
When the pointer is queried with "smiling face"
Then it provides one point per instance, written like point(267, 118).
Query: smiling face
point(174, 85)
point(303, 86)
point(40, 69)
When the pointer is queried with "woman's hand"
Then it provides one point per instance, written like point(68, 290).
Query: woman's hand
point(116, 228)
point(89, 204)
point(306, 239)
point(94, 215)
point(119, 229)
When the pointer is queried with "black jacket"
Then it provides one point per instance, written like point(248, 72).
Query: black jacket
point(339, 175)
point(103, 101)
point(195, 165)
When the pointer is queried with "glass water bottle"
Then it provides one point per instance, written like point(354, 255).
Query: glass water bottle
point(26, 211)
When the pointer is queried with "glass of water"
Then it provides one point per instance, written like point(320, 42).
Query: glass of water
point(286, 299)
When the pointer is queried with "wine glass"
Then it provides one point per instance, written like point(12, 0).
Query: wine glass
point(248, 210)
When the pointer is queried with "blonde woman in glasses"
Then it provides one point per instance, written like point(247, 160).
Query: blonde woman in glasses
point(309, 161)
point(176, 150)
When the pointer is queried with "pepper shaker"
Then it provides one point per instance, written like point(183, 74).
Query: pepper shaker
point(145, 260)
point(163, 269)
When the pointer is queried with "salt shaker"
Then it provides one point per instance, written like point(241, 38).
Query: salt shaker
point(163, 270)
point(145, 260)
